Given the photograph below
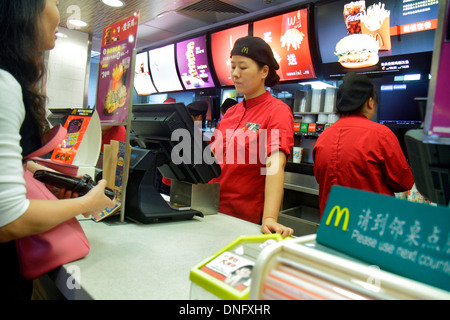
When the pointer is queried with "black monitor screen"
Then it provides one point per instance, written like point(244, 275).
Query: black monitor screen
point(430, 164)
point(397, 104)
point(168, 129)
point(171, 144)
point(375, 37)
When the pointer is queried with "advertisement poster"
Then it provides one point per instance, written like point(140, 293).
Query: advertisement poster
point(376, 36)
point(142, 82)
point(287, 34)
point(76, 125)
point(193, 67)
point(162, 68)
point(233, 269)
point(113, 166)
point(440, 118)
point(221, 45)
point(114, 76)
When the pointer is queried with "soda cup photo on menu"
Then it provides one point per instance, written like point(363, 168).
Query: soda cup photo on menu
point(353, 12)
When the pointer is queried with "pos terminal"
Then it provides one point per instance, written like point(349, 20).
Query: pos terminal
point(153, 126)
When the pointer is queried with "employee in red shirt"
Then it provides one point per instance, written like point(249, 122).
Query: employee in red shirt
point(356, 152)
point(118, 133)
point(253, 140)
point(198, 110)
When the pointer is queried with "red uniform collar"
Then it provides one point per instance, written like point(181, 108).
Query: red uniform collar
point(255, 101)
point(353, 115)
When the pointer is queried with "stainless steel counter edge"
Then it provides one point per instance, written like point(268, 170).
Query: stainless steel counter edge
point(151, 261)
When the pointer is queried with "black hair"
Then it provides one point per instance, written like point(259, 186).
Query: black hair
point(227, 104)
point(272, 78)
point(199, 107)
point(20, 56)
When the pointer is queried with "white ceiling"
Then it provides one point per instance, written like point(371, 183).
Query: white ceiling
point(162, 20)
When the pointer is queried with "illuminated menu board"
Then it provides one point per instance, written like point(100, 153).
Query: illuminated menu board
point(162, 68)
point(142, 82)
point(222, 43)
point(192, 59)
point(374, 36)
point(287, 34)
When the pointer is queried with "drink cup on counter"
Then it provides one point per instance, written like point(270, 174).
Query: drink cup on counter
point(297, 154)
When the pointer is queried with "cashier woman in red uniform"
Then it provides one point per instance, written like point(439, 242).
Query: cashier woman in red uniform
point(357, 152)
point(261, 127)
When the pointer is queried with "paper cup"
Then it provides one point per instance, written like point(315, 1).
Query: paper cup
point(297, 154)
point(309, 118)
point(323, 118)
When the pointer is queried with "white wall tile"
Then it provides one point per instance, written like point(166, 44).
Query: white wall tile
point(67, 67)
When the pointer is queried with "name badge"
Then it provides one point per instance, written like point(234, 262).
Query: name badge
point(252, 126)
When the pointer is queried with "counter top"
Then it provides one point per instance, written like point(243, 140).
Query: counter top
point(151, 261)
point(302, 168)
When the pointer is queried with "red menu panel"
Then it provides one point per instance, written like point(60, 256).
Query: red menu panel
point(287, 34)
point(221, 44)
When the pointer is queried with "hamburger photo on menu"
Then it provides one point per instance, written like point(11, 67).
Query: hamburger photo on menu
point(367, 33)
point(357, 51)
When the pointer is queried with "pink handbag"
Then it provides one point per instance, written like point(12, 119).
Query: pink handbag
point(67, 242)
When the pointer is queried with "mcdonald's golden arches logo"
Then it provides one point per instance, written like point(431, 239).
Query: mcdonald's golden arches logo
point(339, 213)
point(244, 50)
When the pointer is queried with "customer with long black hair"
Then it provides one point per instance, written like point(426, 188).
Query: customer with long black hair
point(27, 29)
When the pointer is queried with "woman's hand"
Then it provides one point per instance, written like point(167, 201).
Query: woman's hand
point(273, 195)
point(270, 225)
point(96, 200)
point(62, 193)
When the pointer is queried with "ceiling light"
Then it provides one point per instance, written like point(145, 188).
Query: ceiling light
point(113, 3)
point(162, 14)
point(61, 35)
point(317, 84)
point(77, 23)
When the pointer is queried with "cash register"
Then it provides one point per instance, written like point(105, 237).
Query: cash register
point(169, 143)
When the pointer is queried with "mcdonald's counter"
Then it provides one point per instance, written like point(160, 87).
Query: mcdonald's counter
point(152, 261)
point(300, 207)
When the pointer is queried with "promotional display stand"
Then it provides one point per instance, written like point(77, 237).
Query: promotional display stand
point(227, 274)
point(115, 83)
point(77, 154)
point(437, 122)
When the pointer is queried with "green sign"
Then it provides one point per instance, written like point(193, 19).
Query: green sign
point(304, 127)
point(407, 238)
